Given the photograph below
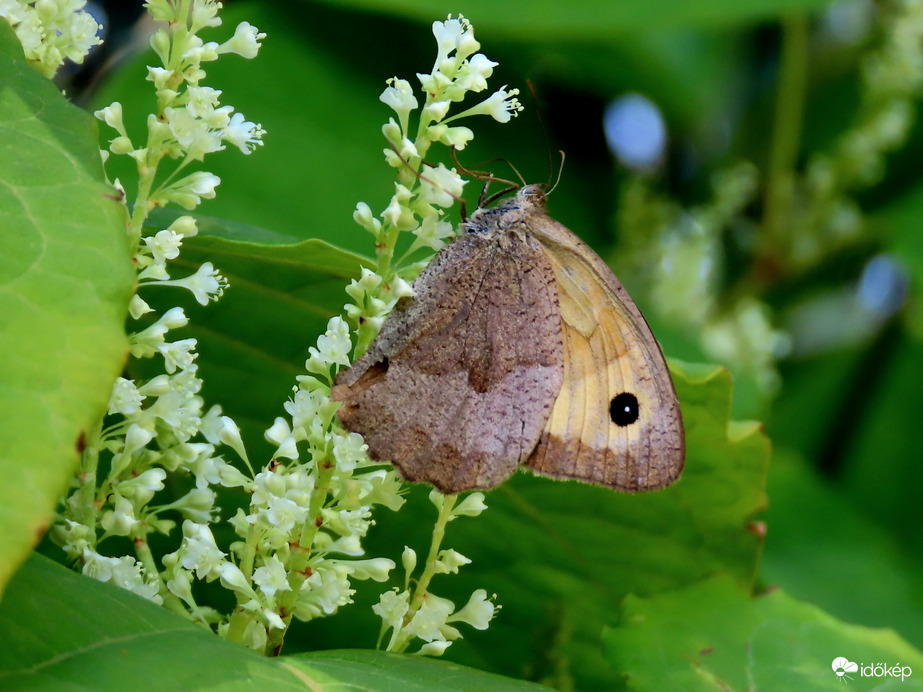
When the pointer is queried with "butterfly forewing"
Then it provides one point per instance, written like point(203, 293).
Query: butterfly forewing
point(457, 387)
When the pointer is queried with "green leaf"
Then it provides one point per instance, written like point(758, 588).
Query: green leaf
point(561, 556)
point(812, 524)
point(587, 18)
point(881, 470)
point(713, 636)
point(65, 281)
point(374, 671)
point(104, 638)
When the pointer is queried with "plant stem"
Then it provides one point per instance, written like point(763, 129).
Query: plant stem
point(786, 134)
point(298, 568)
point(429, 571)
point(85, 497)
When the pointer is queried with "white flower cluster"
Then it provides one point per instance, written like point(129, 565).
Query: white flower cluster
point(744, 339)
point(158, 428)
point(152, 433)
point(311, 508)
point(189, 121)
point(299, 546)
point(817, 213)
point(373, 301)
point(417, 613)
point(268, 591)
point(52, 30)
point(315, 511)
point(892, 82)
point(422, 193)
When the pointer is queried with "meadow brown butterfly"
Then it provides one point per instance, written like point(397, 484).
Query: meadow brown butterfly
point(519, 348)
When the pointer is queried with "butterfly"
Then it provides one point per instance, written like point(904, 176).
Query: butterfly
point(519, 348)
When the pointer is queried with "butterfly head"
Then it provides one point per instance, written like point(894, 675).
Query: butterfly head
point(532, 194)
point(515, 213)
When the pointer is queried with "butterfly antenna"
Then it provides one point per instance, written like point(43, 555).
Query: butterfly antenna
point(541, 124)
point(488, 178)
point(516, 171)
point(497, 195)
point(484, 175)
point(560, 170)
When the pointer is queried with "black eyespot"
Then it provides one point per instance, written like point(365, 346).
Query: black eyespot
point(624, 409)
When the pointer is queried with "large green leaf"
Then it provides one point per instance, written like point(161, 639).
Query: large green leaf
point(65, 281)
point(712, 636)
point(561, 556)
point(62, 631)
point(812, 524)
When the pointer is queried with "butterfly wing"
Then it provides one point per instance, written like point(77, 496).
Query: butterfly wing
point(458, 385)
point(616, 421)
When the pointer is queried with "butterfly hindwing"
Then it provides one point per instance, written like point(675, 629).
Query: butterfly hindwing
point(616, 421)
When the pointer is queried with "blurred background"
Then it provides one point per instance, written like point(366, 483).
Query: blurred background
point(751, 171)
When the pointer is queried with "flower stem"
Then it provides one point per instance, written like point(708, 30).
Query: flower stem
point(84, 500)
point(299, 569)
point(429, 570)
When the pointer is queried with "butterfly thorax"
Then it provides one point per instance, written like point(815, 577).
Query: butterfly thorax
point(514, 214)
